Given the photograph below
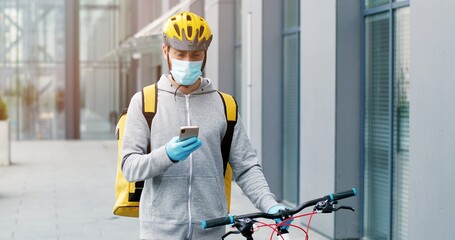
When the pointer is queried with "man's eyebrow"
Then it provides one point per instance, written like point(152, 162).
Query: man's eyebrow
point(190, 52)
point(178, 51)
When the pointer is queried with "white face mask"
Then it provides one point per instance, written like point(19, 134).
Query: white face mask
point(185, 72)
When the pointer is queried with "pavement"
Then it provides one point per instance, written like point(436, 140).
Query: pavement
point(62, 190)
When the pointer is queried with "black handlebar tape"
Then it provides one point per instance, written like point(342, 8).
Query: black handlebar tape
point(341, 195)
point(217, 222)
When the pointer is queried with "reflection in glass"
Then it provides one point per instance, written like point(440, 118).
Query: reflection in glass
point(291, 118)
point(291, 13)
point(99, 76)
point(32, 67)
point(375, 3)
point(401, 124)
point(377, 127)
point(291, 112)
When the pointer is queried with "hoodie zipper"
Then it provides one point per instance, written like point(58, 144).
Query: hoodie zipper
point(188, 122)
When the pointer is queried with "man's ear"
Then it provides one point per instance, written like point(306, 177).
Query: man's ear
point(165, 51)
point(166, 55)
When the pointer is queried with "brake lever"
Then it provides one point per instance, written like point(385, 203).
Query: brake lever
point(344, 207)
point(324, 206)
point(245, 226)
point(229, 233)
point(329, 207)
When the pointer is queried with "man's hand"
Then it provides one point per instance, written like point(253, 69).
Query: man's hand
point(276, 209)
point(179, 151)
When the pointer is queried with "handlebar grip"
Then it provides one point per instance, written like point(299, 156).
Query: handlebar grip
point(341, 195)
point(217, 222)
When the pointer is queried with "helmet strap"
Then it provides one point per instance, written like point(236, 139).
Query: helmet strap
point(167, 58)
point(205, 60)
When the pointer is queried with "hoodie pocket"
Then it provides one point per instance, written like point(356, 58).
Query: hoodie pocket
point(170, 201)
point(208, 199)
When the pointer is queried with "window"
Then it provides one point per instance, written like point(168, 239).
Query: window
point(386, 119)
point(291, 40)
point(32, 54)
point(100, 80)
point(401, 124)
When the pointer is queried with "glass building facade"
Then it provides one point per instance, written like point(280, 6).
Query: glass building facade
point(42, 40)
point(100, 71)
point(33, 47)
point(32, 52)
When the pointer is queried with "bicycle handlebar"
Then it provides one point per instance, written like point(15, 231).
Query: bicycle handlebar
point(337, 196)
point(217, 222)
point(231, 219)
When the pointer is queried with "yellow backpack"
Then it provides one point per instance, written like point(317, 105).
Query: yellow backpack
point(128, 194)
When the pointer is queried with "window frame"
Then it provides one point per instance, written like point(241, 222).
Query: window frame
point(391, 7)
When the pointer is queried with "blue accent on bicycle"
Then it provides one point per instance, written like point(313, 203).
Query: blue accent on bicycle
point(355, 191)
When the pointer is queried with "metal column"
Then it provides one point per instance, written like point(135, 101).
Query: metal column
point(72, 96)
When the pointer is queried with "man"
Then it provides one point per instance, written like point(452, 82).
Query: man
point(184, 182)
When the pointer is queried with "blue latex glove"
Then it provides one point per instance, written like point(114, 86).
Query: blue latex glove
point(274, 210)
point(179, 151)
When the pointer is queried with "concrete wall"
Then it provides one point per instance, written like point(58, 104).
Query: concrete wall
point(348, 115)
point(330, 109)
point(317, 101)
point(5, 156)
point(272, 130)
point(251, 105)
point(220, 64)
point(432, 118)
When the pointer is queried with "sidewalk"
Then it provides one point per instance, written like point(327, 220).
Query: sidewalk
point(63, 190)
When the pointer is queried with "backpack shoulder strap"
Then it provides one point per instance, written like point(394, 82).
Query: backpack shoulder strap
point(230, 111)
point(149, 101)
point(230, 107)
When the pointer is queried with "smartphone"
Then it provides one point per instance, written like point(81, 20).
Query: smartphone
point(188, 132)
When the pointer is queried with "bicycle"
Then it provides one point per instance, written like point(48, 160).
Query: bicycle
point(247, 224)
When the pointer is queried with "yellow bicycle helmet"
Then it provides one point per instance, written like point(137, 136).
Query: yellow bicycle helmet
point(187, 31)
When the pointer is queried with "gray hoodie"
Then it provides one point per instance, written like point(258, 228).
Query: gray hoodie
point(178, 196)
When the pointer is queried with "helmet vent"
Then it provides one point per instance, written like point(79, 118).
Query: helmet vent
point(201, 32)
point(190, 31)
point(173, 18)
point(188, 17)
point(177, 30)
